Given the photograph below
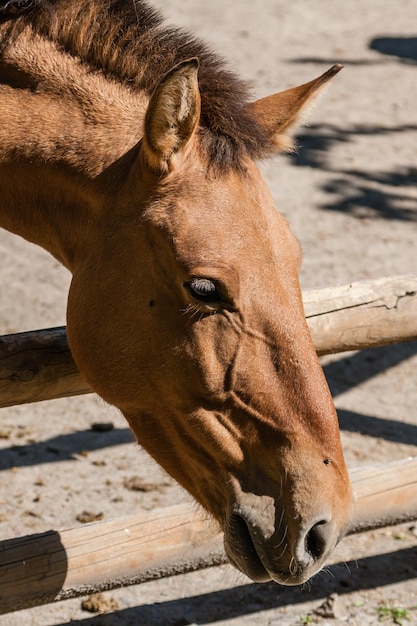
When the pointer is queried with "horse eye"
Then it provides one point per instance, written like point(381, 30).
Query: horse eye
point(204, 290)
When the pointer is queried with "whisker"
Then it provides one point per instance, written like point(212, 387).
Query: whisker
point(292, 566)
point(283, 538)
point(277, 558)
point(328, 571)
point(281, 488)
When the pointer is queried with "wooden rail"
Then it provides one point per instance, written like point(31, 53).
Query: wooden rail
point(38, 365)
point(106, 555)
point(364, 314)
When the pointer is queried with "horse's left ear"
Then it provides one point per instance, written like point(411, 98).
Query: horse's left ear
point(172, 117)
point(282, 112)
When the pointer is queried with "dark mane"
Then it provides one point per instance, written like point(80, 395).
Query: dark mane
point(127, 40)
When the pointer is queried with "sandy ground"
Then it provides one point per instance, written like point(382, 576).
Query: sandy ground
point(351, 198)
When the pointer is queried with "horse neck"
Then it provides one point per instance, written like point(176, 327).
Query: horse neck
point(62, 143)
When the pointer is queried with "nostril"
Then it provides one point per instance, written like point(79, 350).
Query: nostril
point(316, 539)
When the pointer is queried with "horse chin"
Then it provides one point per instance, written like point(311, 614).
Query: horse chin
point(245, 559)
point(241, 551)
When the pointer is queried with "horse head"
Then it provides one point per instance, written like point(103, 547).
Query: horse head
point(187, 315)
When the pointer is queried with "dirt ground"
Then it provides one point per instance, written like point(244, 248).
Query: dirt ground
point(350, 195)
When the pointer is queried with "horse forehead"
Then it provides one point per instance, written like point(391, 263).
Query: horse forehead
point(222, 215)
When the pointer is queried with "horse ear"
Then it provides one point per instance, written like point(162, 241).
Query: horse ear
point(282, 112)
point(172, 117)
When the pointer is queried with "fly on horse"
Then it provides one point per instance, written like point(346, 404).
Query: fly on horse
point(127, 150)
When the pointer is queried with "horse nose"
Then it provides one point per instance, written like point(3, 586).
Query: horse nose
point(314, 543)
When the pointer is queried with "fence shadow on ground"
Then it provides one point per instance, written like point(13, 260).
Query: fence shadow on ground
point(355, 369)
point(62, 447)
point(371, 426)
point(209, 608)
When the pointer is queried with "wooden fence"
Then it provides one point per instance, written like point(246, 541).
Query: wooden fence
point(59, 565)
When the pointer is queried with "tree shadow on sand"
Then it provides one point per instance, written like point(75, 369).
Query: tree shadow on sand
point(404, 48)
point(367, 194)
point(362, 195)
point(387, 195)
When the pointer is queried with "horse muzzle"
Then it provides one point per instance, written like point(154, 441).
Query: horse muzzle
point(265, 544)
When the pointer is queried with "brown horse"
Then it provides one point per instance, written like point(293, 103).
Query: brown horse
point(127, 151)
